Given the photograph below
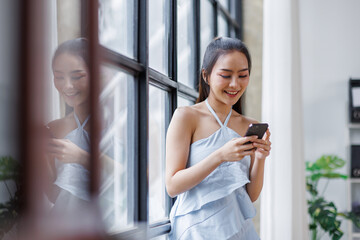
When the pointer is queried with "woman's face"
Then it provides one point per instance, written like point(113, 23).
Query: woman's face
point(71, 79)
point(229, 77)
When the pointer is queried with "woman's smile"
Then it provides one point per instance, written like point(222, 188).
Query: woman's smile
point(231, 93)
point(71, 79)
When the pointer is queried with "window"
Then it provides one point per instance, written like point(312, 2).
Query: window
point(145, 64)
point(117, 185)
point(164, 75)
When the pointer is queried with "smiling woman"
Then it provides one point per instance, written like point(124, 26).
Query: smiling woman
point(68, 151)
point(210, 167)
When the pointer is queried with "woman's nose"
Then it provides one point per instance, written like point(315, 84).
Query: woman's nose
point(68, 83)
point(234, 82)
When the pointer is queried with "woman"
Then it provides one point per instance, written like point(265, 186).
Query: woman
point(214, 175)
point(70, 145)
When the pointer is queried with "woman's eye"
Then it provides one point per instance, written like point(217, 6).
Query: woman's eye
point(224, 76)
point(242, 76)
point(76, 77)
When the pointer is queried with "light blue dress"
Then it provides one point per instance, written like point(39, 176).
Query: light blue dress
point(72, 178)
point(73, 202)
point(219, 207)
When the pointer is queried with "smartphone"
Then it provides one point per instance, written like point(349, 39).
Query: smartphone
point(257, 129)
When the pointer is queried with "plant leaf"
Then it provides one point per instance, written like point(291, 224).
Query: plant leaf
point(317, 176)
point(329, 162)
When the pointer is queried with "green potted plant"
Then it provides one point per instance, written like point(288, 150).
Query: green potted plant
point(9, 210)
point(324, 216)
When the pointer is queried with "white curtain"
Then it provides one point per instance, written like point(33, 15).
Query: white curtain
point(283, 199)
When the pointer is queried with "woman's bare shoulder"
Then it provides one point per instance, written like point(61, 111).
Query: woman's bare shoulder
point(189, 113)
point(60, 127)
point(187, 117)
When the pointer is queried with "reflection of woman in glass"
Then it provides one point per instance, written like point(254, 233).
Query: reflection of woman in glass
point(214, 175)
point(70, 144)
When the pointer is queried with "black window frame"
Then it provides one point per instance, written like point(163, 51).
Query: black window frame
point(144, 77)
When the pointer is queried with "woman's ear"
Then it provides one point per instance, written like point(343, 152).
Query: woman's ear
point(204, 76)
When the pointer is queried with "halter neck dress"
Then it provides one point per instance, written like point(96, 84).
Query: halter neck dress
point(73, 202)
point(218, 207)
point(72, 178)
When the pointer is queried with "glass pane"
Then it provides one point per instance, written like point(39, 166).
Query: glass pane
point(222, 25)
point(157, 193)
point(355, 202)
point(233, 8)
point(67, 123)
point(159, 35)
point(184, 102)
point(232, 32)
point(10, 156)
point(117, 149)
point(224, 3)
point(186, 43)
point(207, 25)
point(117, 26)
point(69, 134)
point(162, 237)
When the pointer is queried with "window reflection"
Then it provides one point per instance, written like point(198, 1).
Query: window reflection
point(222, 25)
point(157, 194)
point(159, 35)
point(224, 3)
point(116, 25)
point(68, 143)
point(184, 102)
point(207, 25)
point(186, 43)
point(117, 148)
point(162, 237)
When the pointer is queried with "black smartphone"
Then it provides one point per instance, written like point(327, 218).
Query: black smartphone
point(257, 129)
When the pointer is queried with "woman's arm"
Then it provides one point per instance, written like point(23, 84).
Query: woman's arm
point(179, 178)
point(257, 165)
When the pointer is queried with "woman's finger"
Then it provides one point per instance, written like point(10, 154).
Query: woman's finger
point(245, 147)
point(247, 152)
point(263, 146)
point(243, 140)
point(267, 134)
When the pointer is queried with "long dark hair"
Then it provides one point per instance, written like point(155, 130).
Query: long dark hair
point(77, 47)
point(216, 48)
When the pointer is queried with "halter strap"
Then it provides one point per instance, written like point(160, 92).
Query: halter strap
point(216, 117)
point(78, 121)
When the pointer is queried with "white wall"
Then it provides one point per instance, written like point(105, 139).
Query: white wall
point(330, 53)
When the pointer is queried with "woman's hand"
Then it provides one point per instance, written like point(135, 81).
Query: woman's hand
point(263, 146)
point(68, 152)
point(236, 149)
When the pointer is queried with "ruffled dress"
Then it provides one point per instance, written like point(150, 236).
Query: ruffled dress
point(219, 207)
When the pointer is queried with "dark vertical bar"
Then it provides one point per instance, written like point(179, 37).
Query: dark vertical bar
point(84, 18)
point(239, 18)
point(197, 31)
point(215, 18)
point(32, 75)
point(173, 62)
point(94, 67)
point(143, 109)
point(173, 41)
